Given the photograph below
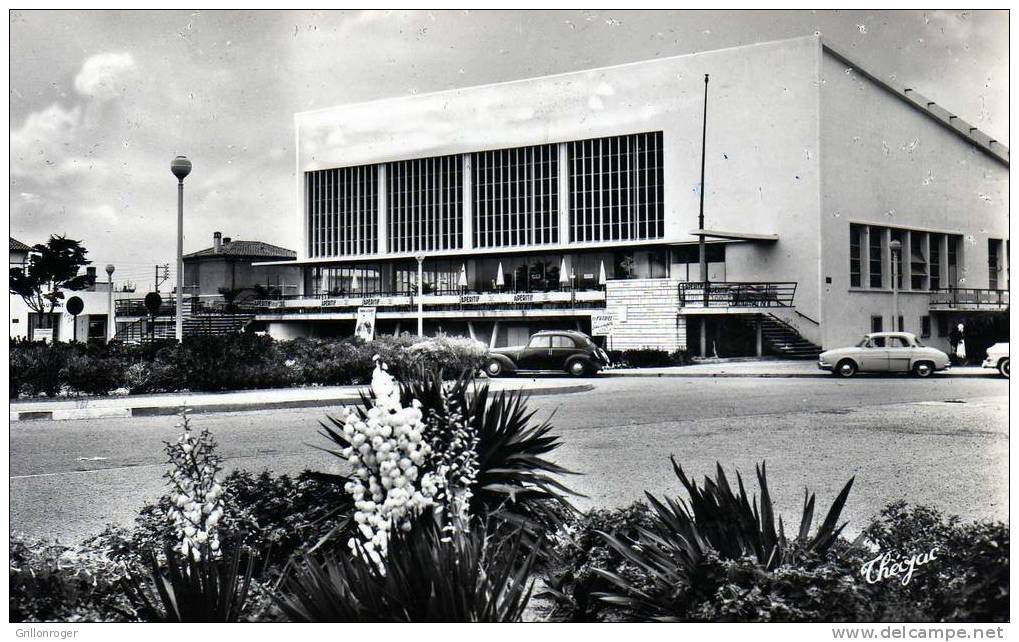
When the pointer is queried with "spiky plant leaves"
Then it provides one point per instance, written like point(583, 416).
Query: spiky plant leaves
point(716, 519)
point(516, 481)
point(207, 590)
point(428, 575)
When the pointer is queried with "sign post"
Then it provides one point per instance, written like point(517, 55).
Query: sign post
point(152, 303)
point(74, 307)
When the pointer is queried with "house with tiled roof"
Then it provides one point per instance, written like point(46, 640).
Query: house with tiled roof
point(228, 264)
point(19, 252)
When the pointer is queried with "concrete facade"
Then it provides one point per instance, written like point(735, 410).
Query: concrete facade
point(800, 144)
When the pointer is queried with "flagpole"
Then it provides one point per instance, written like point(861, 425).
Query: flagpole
point(700, 217)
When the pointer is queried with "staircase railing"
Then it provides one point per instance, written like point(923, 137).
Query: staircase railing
point(737, 294)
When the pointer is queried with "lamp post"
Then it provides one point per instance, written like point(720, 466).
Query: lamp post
point(111, 324)
point(181, 167)
point(421, 291)
point(895, 246)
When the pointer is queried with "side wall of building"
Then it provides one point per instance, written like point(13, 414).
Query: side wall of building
point(885, 164)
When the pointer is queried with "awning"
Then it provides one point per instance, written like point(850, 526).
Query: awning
point(737, 236)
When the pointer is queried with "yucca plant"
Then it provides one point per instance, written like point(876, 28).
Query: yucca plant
point(515, 480)
point(716, 519)
point(429, 575)
point(210, 590)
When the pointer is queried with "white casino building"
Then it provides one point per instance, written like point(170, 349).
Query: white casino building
point(538, 203)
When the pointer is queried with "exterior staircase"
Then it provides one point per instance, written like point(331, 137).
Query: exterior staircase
point(785, 340)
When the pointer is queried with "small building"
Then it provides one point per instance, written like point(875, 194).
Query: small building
point(228, 264)
point(90, 324)
point(18, 317)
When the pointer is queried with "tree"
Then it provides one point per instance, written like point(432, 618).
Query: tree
point(52, 268)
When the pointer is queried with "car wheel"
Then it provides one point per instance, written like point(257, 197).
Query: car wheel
point(1003, 367)
point(493, 368)
point(577, 368)
point(923, 369)
point(845, 368)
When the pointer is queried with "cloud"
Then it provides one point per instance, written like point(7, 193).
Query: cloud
point(104, 76)
point(38, 145)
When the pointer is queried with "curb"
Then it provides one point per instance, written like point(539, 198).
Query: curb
point(197, 409)
point(721, 375)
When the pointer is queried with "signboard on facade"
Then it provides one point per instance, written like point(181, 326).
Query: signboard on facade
point(43, 334)
point(601, 324)
point(365, 328)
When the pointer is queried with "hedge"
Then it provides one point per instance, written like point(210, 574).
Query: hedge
point(226, 362)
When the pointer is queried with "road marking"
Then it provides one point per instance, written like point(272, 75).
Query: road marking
point(160, 464)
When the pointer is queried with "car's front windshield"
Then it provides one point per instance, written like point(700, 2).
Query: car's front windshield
point(863, 342)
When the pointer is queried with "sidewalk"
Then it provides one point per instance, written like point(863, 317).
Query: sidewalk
point(205, 402)
point(766, 368)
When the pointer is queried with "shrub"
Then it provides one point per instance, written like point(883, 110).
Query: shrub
point(51, 582)
point(427, 576)
point(648, 358)
point(88, 371)
point(212, 589)
point(579, 549)
point(451, 355)
point(230, 362)
point(328, 362)
point(274, 516)
point(39, 366)
point(672, 551)
point(969, 580)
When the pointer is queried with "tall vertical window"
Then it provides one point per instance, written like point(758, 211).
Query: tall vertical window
point(917, 262)
point(855, 234)
point(876, 263)
point(935, 264)
point(515, 196)
point(617, 188)
point(993, 262)
point(953, 260)
point(342, 211)
point(424, 204)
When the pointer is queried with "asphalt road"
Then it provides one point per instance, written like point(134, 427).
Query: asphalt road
point(942, 442)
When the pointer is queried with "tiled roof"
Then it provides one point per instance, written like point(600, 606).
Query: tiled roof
point(18, 246)
point(246, 248)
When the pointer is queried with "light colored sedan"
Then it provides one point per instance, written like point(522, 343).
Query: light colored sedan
point(997, 357)
point(885, 352)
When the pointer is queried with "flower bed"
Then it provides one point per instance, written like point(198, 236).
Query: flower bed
point(453, 510)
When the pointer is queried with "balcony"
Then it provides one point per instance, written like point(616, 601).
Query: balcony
point(736, 295)
point(968, 300)
point(455, 303)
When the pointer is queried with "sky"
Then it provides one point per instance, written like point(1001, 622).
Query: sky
point(101, 101)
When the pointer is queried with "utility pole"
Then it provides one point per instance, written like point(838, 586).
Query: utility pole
point(163, 277)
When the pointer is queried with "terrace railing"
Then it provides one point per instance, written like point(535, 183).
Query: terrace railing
point(968, 299)
point(737, 294)
point(444, 300)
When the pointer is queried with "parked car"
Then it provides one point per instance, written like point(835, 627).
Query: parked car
point(885, 352)
point(997, 357)
point(549, 351)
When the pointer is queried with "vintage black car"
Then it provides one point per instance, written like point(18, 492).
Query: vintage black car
point(549, 351)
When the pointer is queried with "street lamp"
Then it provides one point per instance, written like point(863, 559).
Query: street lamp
point(895, 246)
point(421, 291)
point(181, 167)
point(111, 324)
